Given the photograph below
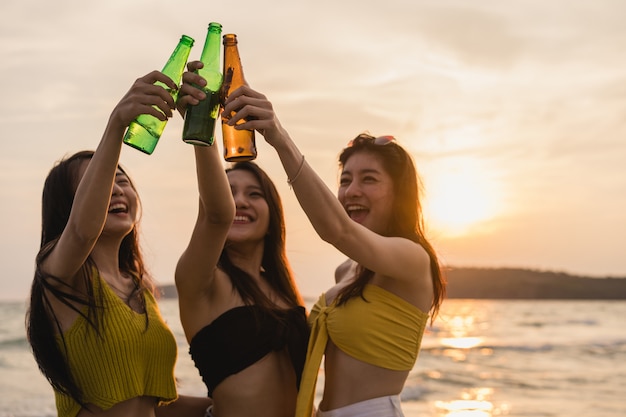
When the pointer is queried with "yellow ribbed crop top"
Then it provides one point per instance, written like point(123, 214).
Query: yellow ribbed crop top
point(126, 361)
point(384, 331)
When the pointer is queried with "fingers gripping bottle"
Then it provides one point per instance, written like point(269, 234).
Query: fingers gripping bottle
point(199, 128)
point(239, 145)
point(144, 132)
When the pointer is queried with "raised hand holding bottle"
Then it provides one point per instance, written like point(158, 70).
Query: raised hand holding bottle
point(145, 131)
point(239, 145)
point(199, 128)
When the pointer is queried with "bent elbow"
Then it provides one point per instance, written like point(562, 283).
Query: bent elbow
point(333, 235)
point(85, 237)
point(218, 216)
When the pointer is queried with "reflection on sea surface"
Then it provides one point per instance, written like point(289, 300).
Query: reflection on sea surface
point(476, 403)
point(460, 332)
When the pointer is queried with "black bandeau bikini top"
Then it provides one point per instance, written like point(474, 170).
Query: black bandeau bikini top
point(243, 335)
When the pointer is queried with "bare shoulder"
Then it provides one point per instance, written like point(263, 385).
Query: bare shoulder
point(422, 256)
point(423, 274)
point(344, 269)
point(412, 279)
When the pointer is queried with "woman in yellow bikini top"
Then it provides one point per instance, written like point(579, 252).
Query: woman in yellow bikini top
point(380, 329)
point(369, 326)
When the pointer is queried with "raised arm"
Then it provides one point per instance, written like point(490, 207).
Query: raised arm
point(93, 193)
point(393, 257)
point(216, 211)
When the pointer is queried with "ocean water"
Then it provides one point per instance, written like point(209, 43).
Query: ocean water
point(482, 358)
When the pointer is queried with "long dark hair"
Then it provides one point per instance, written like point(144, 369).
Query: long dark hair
point(407, 221)
point(42, 324)
point(278, 273)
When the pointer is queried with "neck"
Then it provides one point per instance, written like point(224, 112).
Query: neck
point(247, 257)
point(106, 256)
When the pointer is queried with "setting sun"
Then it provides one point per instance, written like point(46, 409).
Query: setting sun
point(459, 196)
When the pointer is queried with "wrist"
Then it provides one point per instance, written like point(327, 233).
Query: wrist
point(293, 179)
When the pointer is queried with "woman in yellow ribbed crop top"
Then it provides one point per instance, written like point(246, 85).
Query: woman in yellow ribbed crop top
point(369, 325)
point(93, 323)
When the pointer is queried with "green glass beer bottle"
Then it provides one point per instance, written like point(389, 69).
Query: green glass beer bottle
point(199, 128)
point(239, 145)
point(144, 132)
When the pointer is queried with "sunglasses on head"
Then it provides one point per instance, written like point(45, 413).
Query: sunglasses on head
point(363, 137)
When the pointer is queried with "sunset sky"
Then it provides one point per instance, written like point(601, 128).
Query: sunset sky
point(515, 113)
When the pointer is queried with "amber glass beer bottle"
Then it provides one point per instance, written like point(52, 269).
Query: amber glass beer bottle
point(199, 128)
point(144, 132)
point(239, 145)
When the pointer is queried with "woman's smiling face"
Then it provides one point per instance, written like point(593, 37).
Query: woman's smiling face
point(366, 191)
point(252, 211)
point(124, 205)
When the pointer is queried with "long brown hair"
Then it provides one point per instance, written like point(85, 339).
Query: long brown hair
point(407, 221)
point(278, 273)
point(42, 324)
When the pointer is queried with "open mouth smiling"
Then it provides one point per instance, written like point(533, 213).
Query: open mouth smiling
point(118, 208)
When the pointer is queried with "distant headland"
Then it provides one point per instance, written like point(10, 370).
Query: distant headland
point(517, 284)
point(527, 284)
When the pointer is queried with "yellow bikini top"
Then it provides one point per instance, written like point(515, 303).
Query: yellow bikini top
point(383, 330)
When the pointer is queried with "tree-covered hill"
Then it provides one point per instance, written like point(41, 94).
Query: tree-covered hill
point(521, 284)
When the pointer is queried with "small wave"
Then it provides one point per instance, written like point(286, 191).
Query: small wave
point(522, 348)
point(413, 392)
point(603, 347)
point(16, 342)
point(560, 323)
